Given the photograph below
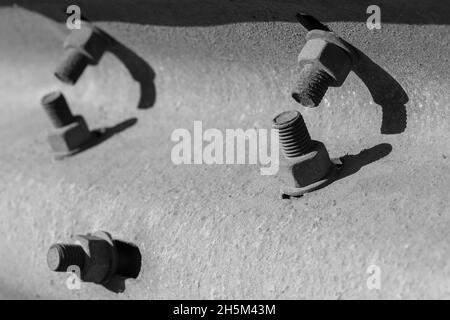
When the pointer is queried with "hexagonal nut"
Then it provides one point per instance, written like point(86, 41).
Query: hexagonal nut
point(71, 137)
point(100, 262)
point(329, 56)
point(306, 170)
point(89, 40)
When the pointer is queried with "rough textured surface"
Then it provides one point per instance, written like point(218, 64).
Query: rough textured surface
point(221, 231)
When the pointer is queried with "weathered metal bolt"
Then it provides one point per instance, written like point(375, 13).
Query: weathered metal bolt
point(70, 132)
point(95, 255)
point(82, 47)
point(57, 109)
point(325, 61)
point(307, 165)
point(61, 256)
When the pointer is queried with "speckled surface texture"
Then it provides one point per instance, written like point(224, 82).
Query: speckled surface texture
point(222, 231)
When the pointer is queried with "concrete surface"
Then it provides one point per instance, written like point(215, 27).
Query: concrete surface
point(221, 231)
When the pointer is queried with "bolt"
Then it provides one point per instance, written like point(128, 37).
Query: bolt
point(95, 255)
point(312, 84)
point(82, 47)
point(98, 256)
point(70, 132)
point(325, 61)
point(307, 164)
point(61, 256)
point(293, 134)
point(56, 107)
point(72, 66)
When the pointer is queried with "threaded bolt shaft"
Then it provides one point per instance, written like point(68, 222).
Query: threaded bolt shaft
point(293, 134)
point(61, 256)
point(312, 84)
point(72, 66)
point(56, 107)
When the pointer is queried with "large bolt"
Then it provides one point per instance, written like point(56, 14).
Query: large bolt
point(307, 165)
point(325, 61)
point(98, 256)
point(95, 255)
point(82, 47)
point(70, 132)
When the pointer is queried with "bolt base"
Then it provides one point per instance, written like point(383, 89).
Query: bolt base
point(293, 192)
point(94, 138)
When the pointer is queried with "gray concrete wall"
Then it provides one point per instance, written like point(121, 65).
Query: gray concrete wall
point(221, 231)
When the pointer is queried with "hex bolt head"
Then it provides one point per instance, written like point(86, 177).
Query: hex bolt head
point(307, 165)
point(82, 47)
point(325, 61)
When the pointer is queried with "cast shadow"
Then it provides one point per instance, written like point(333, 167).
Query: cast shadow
point(385, 90)
point(101, 135)
point(351, 164)
point(139, 69)
point(129, 266)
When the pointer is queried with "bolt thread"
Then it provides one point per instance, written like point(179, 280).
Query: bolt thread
point(71, 66)
point(312, 85)
point(56, 107)
point(293, 134)
point(61, 256)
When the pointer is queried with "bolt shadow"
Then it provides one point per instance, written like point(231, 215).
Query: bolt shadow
point(139, 69)
point(351, 164)
point(129, 266)
point(385, 90)
point(101, 135)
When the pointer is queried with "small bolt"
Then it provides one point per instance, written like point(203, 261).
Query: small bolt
point(61, 256)
point(82, 47)
point(312, 84)
point(325, 60)
point(72, 66)
point(307, 165)
point(293, 134)
point(95, 254)
point(70, 133)
point(56, 107)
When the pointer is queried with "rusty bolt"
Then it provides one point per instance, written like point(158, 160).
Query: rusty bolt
point(82, 47)
point(95, 254)
point(325, 60)
point(70, 132)
point(307, 165)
